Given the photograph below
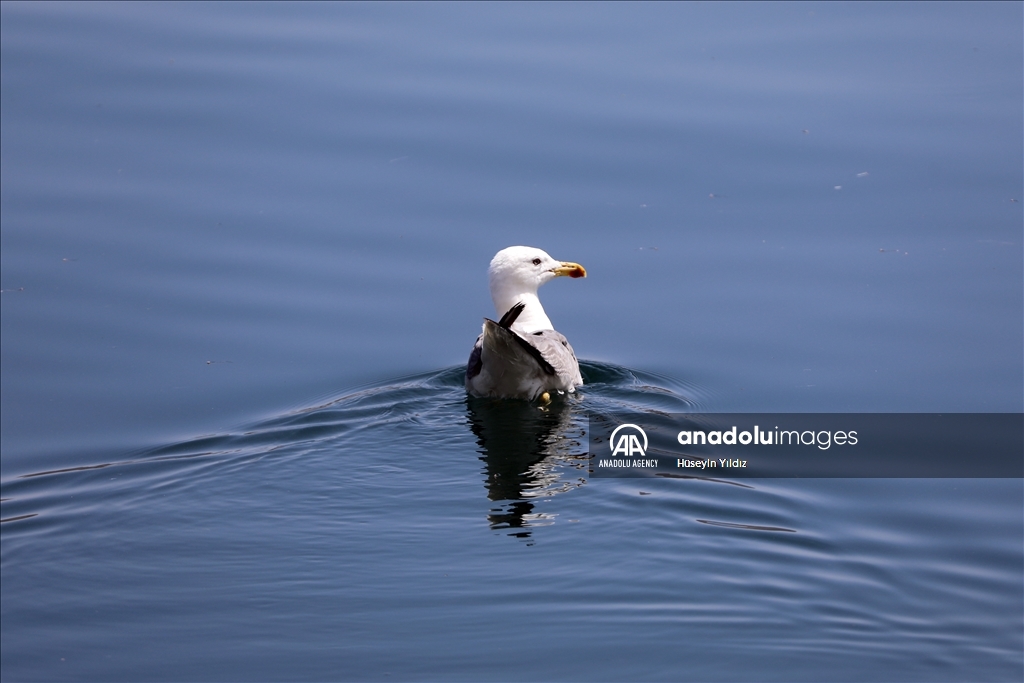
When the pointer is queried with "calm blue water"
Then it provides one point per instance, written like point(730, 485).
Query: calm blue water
point(244, 254)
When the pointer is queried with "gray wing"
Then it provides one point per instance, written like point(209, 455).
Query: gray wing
point(476, 363)
point(554, 350)
point(505, 363)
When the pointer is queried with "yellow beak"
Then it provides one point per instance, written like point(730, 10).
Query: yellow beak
point(571, 269)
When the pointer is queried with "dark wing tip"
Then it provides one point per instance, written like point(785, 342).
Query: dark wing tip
point(509, 319)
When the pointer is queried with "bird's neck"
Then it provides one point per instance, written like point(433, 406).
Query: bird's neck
point(532, 319)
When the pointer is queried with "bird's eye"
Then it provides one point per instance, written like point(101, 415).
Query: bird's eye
point(536, 261)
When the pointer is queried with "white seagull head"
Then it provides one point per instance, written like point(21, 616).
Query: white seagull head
point(515, 275)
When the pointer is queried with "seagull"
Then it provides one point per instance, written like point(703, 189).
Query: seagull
point(521, 355)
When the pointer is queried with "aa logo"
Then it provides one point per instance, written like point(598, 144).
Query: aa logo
point(628, 442)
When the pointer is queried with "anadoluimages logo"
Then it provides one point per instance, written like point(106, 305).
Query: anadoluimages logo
point(628, 444)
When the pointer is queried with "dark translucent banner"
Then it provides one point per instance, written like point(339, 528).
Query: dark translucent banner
point(748, 445)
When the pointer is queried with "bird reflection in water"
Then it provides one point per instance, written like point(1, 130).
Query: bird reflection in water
point(529, 452)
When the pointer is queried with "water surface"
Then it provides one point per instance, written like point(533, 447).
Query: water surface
point(244, 255)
